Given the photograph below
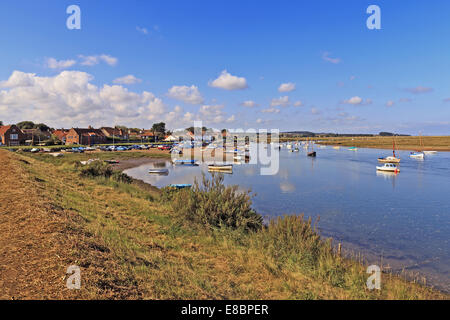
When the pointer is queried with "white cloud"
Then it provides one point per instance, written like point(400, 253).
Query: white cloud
point(390, 103)
point(298, 104)
point(212, 114)
point(280, 102)
point(129, 79)
point(142, 30)
point(94, 60)
point(326, 57)
point(287, 87)
point(70, 99)
point(52, 63)
point(249, 104)
point(271, 110)
point(186, 94)
point(19, 79)
point(229, 82)
point(356, 100)
point(419, 89)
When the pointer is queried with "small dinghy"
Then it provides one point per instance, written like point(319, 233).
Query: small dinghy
point(416, 155)
point(336, 147)
point(158, 171)
point(180, 186)
point(389, 160)
point(112, 161)
point(185, 162)
point(221, 168)
point(389, 167)
point(353, 149)
point(312, 154)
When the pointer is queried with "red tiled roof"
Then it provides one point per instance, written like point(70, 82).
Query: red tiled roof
point(88, 132)
point(3, 129)
point(60, 133)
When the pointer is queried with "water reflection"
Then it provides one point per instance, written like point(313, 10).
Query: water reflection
point(388, 176)
point(287, 187)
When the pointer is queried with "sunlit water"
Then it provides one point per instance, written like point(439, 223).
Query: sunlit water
point(401, 221)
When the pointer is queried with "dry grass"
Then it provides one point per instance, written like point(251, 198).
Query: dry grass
point(131, 246)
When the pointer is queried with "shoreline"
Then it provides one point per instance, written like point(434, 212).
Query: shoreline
point(130, 163)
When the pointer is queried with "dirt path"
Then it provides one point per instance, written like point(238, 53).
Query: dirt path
point(33, 257)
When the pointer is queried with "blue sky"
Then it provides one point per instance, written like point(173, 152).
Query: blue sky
point(343, 77)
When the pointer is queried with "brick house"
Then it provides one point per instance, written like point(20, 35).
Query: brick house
point(114, 132)
point(87, 136)
point(147, 135)
point(11, 135)
point(61, 134)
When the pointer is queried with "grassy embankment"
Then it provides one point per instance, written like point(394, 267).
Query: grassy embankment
point(203, 244)
point(437, 143)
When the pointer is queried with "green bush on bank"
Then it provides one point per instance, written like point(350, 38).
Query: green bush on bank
point(212, 204)
point(101, 169)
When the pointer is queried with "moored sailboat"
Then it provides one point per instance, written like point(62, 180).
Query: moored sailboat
point(389, 159)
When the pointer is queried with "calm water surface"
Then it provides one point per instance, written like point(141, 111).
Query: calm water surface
point(402, 220)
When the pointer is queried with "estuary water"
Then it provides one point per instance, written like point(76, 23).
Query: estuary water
point(401, 221)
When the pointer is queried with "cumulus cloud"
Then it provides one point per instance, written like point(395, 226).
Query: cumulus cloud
point(286, 87)
point(280, 102)
point(419, 90)
point(271, 110)
point(326, 57)
point(390, 103)
point(356, 100)
point(70, 98)
point(186, 94)
point(229, 82)
point(52, 63)
point(129, 79)
point(96, 59)
point(142, 30)
point(213, 114)
point(298, 103)
point(249, 104)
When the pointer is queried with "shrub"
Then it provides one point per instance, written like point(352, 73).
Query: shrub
point(96, 169)
point(214, 205)
point(103, 170)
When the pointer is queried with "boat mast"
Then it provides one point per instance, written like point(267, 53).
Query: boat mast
point(393, 147)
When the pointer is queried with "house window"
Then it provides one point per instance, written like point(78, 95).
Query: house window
point(14, 136)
